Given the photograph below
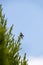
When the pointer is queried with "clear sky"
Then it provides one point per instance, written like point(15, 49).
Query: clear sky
point(27, 17)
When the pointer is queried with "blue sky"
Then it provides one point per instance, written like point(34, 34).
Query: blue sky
point(27, 17)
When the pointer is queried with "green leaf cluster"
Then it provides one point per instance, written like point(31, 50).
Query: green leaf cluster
point(9, 47)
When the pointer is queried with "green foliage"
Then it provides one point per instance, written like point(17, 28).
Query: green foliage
point(9, 47)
